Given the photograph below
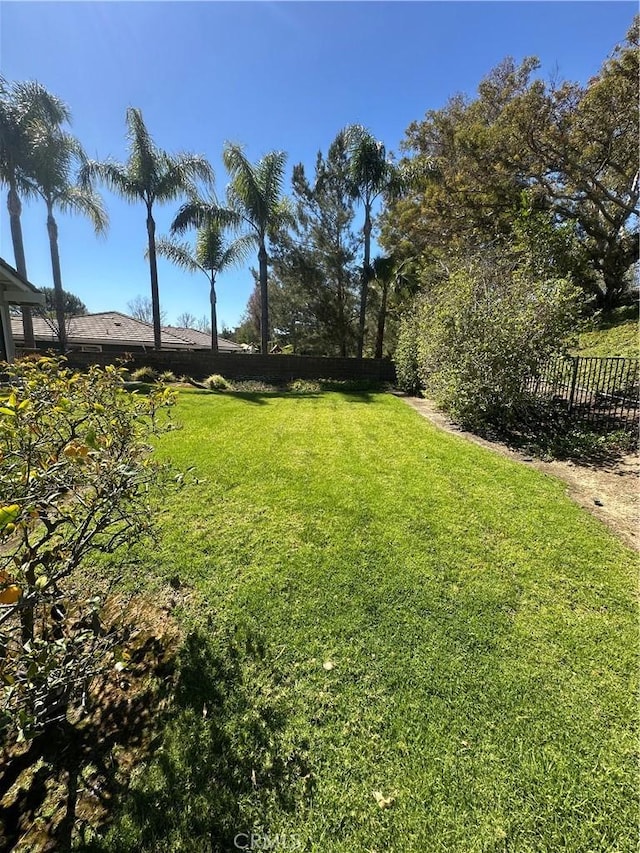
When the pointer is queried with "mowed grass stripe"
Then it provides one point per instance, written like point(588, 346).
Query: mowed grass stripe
point(481, 626)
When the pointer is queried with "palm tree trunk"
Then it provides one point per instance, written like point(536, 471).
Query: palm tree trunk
point(264, 305)
point(15, 210)
point(214, 317)
point(52, 229)
point(382, 317)
point(365, 278)
point(153, 269)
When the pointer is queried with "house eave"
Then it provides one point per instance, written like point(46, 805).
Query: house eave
point(14, 296)
point(15, 289)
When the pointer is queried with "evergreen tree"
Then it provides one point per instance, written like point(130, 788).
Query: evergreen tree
point(314, 281)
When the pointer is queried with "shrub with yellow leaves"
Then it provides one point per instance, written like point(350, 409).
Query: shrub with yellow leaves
point(76, 474)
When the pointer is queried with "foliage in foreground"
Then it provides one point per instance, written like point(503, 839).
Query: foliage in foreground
point(75, 476)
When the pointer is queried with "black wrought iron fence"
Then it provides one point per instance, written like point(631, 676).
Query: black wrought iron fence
point(603, 391)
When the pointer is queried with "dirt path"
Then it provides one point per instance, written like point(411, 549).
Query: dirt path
point(612, 494)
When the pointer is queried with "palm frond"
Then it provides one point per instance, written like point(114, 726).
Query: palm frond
point(25, 108)
point(216, 253)
point(197, 213)
point(25, 185)
point(53, 158)
point(238, 251)
point(244, 192)
point(370, 171)
point(254, 190)
point(142, 165)
point(36, 103)
point(384, 267)
point(178, 175)
point(192, 214)
point(78, 199)
point(284, 214)
point(116, 177)
point(149, 174)
point(180, 254)
point(271, 171)
point(228, 218)
point(210, 245)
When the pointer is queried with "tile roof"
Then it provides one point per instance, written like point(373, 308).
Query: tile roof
point(115, 328)
point(199, 338)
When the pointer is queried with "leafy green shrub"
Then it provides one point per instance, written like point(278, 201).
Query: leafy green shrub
point(216, 382)
point(482, 331)
point(145, 374)
point(586, 443)
point(75, 477)
point(167, 377)
point(406, 355)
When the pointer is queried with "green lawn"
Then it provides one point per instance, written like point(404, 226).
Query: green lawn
point(614, 334)
point(377, 606)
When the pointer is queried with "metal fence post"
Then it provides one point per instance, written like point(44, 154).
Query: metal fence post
point(573, 382)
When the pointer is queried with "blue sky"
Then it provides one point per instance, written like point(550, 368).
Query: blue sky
point(271, 75)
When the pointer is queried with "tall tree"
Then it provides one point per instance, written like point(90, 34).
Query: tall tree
point(317, 259)
point(151, 176)
point(211, 255)
point(186, 320)
point(393, 285)
point(579, 145)
point(24, 106)
point(461, 196)
point(72, 306)
point(141, 308)
point(521, 145)
point(372, 174)
point(313, 281)
point(248, 329)
point(200, 324)
point(55, 158)
point(255, 201)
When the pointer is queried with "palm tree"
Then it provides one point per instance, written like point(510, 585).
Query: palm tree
point(23, 107)
point(212, 255)
point(393, 278)
point(55, 156)
point(254, 200)
point(150, 175)
point(371, 175)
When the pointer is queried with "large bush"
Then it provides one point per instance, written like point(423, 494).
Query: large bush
point(481, 331)
point(406, 354)
point(75, 476)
